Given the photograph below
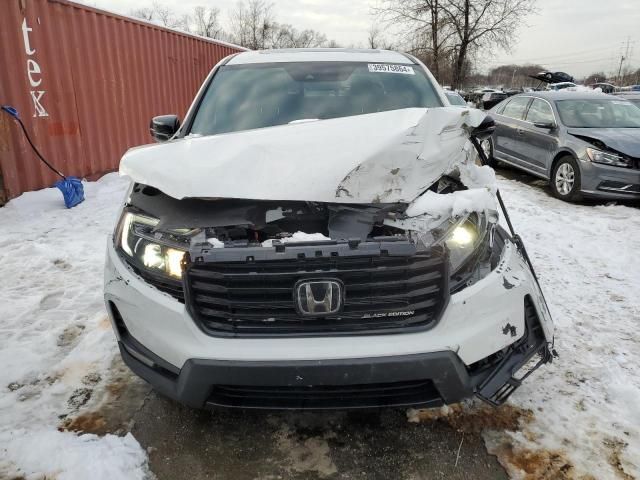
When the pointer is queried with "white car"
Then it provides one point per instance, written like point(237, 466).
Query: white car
point(455, 99)
point(561, 85)
point(316, 234)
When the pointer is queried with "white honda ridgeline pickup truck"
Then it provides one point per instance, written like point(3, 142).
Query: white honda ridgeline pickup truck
point(317, 234)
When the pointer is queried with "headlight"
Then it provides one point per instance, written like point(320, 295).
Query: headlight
point(598, 156)
point(461, 236)
point(157, 251)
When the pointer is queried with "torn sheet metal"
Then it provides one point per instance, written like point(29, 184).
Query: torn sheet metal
point(431, 209)
point(415, 160)
point(385, 157)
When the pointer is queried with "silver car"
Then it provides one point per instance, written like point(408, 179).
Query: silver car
point(586, 144)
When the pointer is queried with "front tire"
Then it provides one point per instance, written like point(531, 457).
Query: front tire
point(566, 180)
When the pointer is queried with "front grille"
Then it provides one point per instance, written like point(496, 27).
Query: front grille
point(257, 297)
point(409, 393)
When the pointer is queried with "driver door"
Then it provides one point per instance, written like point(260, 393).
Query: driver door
point(540, 144)
point(508, 140)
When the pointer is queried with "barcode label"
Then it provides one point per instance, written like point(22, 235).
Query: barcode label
point(386, 68)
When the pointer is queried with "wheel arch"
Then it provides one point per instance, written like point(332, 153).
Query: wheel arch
point(560, 154)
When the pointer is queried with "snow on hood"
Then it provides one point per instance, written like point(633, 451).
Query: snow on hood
point(582, 89)
point(431, 209)
point(381, 157)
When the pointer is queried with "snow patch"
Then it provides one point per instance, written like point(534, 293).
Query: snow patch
point(480, 196)
point(297, 237)
point(583, 89)
point(67, 456)
point(455, 204)
point(215, 243)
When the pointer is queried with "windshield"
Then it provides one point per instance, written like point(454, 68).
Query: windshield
point(243, 97)
point(598, 113)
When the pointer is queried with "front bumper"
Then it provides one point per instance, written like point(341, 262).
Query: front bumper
point(427, 380)
point(605, 181)
point(482, 339)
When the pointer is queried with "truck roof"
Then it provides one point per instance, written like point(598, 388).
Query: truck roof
point(320, 55)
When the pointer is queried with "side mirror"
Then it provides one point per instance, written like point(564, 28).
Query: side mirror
point(485, 129)
point(164, 127)
point(545, 125)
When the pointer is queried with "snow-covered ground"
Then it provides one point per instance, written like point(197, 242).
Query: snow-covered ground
point(586, 404)
point(56, 346)
point(56, 343)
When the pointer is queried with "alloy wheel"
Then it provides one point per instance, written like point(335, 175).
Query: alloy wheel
point(565, 178)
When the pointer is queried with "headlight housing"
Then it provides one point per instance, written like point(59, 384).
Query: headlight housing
point(461, 236)
point(146, 247)
point(607, 158)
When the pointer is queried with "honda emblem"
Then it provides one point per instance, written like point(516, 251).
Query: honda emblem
point(320, 297)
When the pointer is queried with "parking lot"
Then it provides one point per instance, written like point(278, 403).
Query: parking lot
point(575, 419)
point(319, 240)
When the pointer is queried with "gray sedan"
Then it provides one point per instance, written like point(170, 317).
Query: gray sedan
point(633, 97)
point(585, 144)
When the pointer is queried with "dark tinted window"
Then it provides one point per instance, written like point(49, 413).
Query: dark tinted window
point(539, 111)
point(515, 108)
point(243, 97)
point(598, 113)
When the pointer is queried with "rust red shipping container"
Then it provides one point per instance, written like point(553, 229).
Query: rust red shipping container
point(86, 83)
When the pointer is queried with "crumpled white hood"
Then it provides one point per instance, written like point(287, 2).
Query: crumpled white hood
point(381, 157)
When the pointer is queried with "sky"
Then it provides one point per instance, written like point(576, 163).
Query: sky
point(576, 36)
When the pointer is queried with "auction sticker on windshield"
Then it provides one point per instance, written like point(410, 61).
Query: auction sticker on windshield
point(385, 68)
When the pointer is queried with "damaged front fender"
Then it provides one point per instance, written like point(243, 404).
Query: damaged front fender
point(415, 160)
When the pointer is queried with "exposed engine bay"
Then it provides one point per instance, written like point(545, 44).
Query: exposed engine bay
point(206, 226)
point(238, 222)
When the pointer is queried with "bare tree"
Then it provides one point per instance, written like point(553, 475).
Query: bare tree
point(309, 39)
point(423, 25)
point(144, 13)
point(374, 36)
point(376, 39)
point(162, 14)
point(513, 76)
point(184, 23)
point(595, 78)
point(449, 32)
point(286, 36)
point(482, 24)
point(207, 22)
point(252, 23)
